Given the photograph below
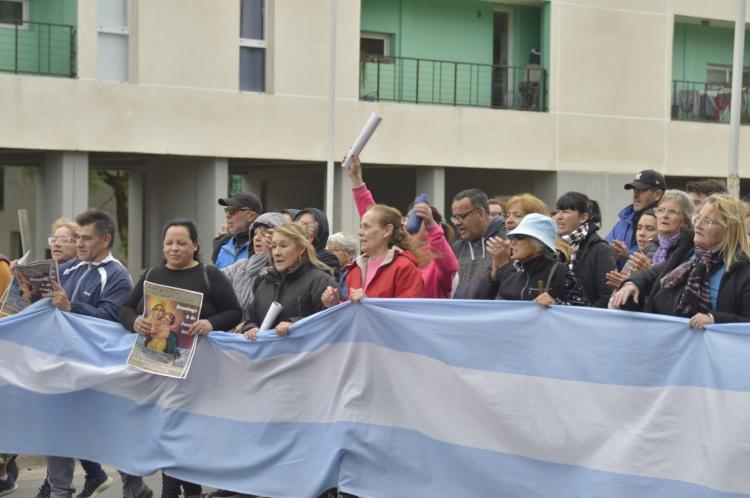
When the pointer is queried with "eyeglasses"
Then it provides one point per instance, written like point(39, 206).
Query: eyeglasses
point(459, 218)
point(62, 240)
point(704, 222)
point(669, 211)
point(232, 210)
point(310, 227)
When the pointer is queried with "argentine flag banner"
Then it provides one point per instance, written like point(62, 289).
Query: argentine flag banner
point(399, 398)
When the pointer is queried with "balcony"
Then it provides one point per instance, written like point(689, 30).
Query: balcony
point(707, 102)
point(40, 48)
point(428, 81)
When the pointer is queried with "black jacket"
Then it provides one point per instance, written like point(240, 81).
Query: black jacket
point(647, 280)
point(321, 239)
point(593, 260)
point(521, 282)
point(298, 290)
point(732, 303)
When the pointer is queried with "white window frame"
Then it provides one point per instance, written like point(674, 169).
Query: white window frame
point(727, 74)
point(385, 37)
point(24, 16)
point(122, 31)
point(256, 43)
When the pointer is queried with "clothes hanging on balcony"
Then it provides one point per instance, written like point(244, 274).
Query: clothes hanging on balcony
point(723, 101)
point(708, 107)
point(689, 101)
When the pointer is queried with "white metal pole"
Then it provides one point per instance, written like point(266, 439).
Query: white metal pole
point(331, 117)
point(733, 178)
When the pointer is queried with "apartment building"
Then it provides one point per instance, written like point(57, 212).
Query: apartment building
point(154, 109)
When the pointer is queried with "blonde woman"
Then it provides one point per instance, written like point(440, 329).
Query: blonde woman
point(711, 285)
point(296, 280)
point(62, 242)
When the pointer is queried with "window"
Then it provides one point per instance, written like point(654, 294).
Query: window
point(720, 76)
point(13, 12)
point(114, 40)
point(375, 44)
point(252, 46)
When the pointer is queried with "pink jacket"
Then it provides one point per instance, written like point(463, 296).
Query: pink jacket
point(437, 275)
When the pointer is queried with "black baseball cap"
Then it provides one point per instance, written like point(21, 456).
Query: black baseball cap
point(647, 179)
point(243, 200)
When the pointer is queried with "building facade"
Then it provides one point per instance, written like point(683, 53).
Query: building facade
point(156, 109)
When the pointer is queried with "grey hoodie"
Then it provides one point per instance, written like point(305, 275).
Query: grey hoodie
point(475, 264)
point(242, 273)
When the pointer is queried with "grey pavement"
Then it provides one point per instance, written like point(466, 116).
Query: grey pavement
point(33, 471)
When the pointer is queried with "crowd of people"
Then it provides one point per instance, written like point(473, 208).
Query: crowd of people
point(681, 253)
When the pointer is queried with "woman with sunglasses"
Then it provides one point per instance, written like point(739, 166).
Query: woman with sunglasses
point(528, 268)
point(709, 285)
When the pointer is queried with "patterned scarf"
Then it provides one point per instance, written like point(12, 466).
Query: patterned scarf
point(574, 239)
point(665, 244)
point(695, 296)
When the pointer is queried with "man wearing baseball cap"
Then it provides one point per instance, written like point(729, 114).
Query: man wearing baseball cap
point(648, 186)
point(241, 210)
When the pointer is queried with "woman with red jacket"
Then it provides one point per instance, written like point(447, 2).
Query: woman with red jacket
point(388, 265)
point(433, 238)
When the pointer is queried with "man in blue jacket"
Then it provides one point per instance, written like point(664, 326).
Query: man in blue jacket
point(93, 284)
point(648, 186)
point(241, 211)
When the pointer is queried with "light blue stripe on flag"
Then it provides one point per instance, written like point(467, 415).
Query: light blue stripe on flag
point(399, 398)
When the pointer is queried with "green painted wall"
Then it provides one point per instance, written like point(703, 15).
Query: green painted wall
point(444, 30)
point(696, 46)
point(545, 44)
point(42, 49)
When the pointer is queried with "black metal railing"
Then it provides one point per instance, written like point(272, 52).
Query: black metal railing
point(429, 81)
point(30, 47)
point(711, 102)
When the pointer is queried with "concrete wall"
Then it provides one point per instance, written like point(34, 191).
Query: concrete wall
point(610, 64)
point(19, 192)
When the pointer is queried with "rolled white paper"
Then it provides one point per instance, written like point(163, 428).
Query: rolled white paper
point(273, 313)
point(364, 136)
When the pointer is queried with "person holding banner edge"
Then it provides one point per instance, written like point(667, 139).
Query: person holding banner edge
point(433, 237)
point(296, 281)
point(183, 269)
point(388, 265)
point(528, 268)
point(711, 285)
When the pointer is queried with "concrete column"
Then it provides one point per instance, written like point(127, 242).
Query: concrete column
point(135, 221)
point(212, 183)
point(347, 219)
point(63, 191)
point(183, 187)
point(431, 181)
point(607, 189)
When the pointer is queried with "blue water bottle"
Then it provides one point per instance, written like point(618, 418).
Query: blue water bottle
point(414, 222)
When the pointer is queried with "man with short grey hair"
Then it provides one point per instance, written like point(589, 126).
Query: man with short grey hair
point(471, 216)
